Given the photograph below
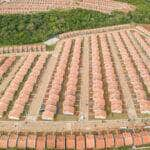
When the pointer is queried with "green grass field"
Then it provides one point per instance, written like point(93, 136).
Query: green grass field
point(35, 28)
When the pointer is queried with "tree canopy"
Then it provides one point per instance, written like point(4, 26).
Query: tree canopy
point(38, 27)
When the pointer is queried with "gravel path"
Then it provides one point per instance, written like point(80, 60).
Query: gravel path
point(69, 126)
point(84, 99)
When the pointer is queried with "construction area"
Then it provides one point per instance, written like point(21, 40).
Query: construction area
point(91, 92)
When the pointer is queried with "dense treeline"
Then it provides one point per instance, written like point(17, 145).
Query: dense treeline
point(22, 29)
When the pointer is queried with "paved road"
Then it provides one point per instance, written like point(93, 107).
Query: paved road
point(69, 126)
point(84, 99)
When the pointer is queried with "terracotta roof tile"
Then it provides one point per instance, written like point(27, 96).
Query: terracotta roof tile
point(109, 139)
point(119, 141)
point(22, 141)
point(137, 139)
point(128, 139)
point(12, 143)
point(31, 141)
point(80, 142)
point(100, 142)
point(60, 142)
point(3, 141)
point(70, 142)
point(51, 141)
point(90, 143)
point(146, 137)
point(40, 143)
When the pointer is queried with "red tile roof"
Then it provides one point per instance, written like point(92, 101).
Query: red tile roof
point(40, 143)
point(3, 141)
point(128, 138)
point(80, 142)
point(90, 143)
point(100, 142)
point(119, 141)
point(109, 139)
point(22, 141)
point(12, 142)
point(146, 137)
point(31, 141)
point(137, 138)
point(70, 141)
point(51, 141)
point(60, 142)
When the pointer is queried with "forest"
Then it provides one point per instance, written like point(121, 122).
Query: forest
point(38, 27)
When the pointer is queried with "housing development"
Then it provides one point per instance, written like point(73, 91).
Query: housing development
point(83, 89)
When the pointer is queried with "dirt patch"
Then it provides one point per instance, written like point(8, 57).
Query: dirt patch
point(146, 26)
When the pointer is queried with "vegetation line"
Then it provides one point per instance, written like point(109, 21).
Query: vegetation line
point(38, 27)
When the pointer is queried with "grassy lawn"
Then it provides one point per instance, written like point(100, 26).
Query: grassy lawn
point(51, 47)
point(121, 148)
point(117, 116)
point(34, 28)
